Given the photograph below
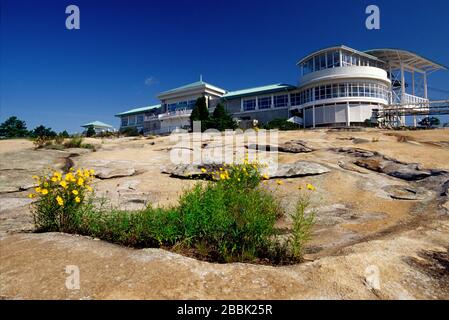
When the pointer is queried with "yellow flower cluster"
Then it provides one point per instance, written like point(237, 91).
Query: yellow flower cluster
point(309, 187)
point(63, 189)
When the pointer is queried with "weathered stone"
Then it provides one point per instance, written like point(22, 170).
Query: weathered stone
point(359, 140)
point(293, 146)
point(406, 193)
point(351, 167)
point(109, 173)
point(13, 203)
point(191, 170)
point(128, 185)
point(356, 152)
point(17, 169)
point(297, 169)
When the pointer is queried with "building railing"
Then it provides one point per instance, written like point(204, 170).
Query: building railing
point(177, 113)
point(408, 98)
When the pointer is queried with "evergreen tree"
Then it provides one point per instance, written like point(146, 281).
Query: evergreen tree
point(13, 127)
point(200, 113)
point(42, 131)
point(64, 134)
point(90, 132)
point(221, 119)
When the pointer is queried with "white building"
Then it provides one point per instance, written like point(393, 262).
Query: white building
point(338, 86)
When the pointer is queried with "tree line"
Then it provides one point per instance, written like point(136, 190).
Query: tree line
point(13, 127)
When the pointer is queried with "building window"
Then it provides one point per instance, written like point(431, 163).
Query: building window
point(281, 101)
point(124, 121)
point(297, 98)
point(132, 120)
point(249, 104)
point(140, 119)
point(264, 103)
point(341, 90)
point(308, 66)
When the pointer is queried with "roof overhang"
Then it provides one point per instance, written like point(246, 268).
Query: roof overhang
point(340, 47)
point(258, 91)
point(137, 111)
point(410, 60)
point(191, 89)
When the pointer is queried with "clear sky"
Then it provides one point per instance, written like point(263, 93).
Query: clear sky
point(128, 51)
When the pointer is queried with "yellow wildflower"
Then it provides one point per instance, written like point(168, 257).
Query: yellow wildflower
point(265, 176)
point(77, 200)
point(54, 179)
point(60, 201)
point(203, 170)
point(69, 177)
point(38, 189)
point(92, 171)
point(222, 176)
point(63, 184)
point(57, 175)
point(31, 195)
point(310, 187)
point(80, 181)
point(89, 188)
point(44, 191)
point(36, 177)
point(279, 182)
point(75, 192)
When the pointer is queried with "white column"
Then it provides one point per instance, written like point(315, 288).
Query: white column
point(313, 116)
point(272, 102)
point(413, 82)
point(425, 85)
point(402, 83)
point(348, 120)
point(257, 103)
point(241, 104)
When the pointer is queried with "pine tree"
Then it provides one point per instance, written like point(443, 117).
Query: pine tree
point(13, 127)
point(200, 113)
point(221, 119)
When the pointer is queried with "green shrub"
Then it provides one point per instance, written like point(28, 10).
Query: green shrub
point(302, 223)
point(281, 124)
point(74, 142)
point(229, 219)
point(129, 132)
point(58, 199)
point(42, 141)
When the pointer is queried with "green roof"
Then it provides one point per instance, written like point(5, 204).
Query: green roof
point(97, 124)
point(191, 86)
point(258, 90)
point(137, 110)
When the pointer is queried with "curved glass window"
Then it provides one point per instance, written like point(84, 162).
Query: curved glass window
point(337, 58)
point(343, 90)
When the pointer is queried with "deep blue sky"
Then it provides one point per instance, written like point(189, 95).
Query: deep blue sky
point(63, 78)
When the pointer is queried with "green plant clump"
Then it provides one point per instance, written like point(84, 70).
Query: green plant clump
point(229, 219)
